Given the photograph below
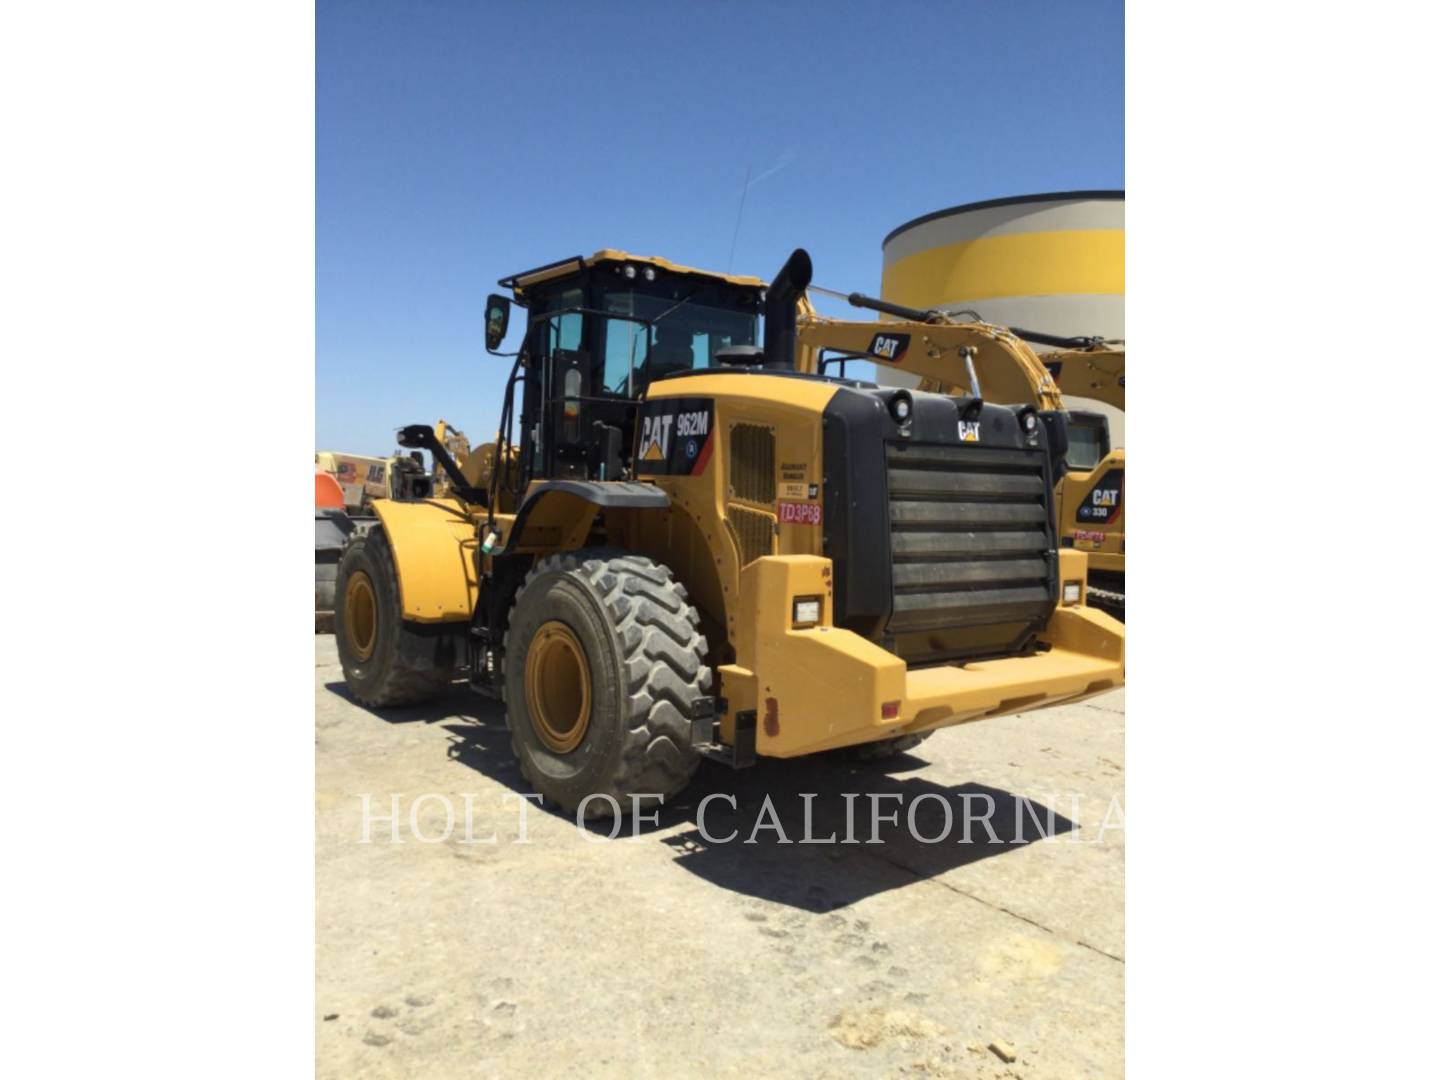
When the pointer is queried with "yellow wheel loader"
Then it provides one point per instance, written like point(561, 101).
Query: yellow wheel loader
point(958, 357)
point(694, 550)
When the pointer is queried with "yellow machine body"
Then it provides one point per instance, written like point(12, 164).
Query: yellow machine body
point(743, 533)
point(1091, 510)
point(1090, 503)
point(434, 544)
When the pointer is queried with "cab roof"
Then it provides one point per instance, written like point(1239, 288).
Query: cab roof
point(521, 281)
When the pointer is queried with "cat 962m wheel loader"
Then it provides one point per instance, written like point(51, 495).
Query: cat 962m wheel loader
point(693, 549)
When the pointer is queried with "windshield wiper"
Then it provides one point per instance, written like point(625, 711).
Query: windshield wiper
point(678, 304)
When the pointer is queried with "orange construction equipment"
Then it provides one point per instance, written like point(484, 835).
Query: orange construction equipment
point(328, 493)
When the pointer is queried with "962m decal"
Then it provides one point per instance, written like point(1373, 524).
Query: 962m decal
point(675, 436)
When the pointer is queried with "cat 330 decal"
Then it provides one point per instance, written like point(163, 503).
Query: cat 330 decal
point(1102, 504)
point(675, 437)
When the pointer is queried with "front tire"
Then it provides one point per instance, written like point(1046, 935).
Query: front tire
point(603, 660)
point(387, 661)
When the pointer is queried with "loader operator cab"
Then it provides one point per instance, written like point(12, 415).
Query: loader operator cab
point(599, 332)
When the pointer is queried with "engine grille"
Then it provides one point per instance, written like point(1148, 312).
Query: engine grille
point(970, 537)
point(752, 463)
point(754, 532)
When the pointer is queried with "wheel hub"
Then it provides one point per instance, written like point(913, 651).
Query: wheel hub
point(557, 687)
point(360, 621)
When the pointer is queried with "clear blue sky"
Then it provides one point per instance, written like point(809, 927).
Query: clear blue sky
point(457, 142)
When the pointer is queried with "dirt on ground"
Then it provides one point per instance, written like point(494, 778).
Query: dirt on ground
point(456, 938)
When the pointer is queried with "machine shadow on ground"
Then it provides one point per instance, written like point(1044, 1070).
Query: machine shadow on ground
point(817, 854)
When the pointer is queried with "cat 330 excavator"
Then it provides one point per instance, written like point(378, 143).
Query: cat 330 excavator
point(695, 550)
point(953, 356)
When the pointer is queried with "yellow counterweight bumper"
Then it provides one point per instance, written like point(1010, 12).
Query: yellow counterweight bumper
point(816, 687)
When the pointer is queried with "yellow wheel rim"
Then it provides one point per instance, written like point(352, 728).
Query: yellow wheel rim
point(557, 687)
point(360, 618)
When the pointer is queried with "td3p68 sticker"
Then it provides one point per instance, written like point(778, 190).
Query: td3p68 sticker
point(797, 513)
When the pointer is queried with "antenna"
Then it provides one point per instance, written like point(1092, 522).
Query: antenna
point(740, 214)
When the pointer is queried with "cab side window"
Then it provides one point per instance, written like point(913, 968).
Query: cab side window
point(562, 331)
point(627, 346)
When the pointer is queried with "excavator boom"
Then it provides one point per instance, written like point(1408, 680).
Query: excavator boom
point(1006, 368)
point(1098, 373)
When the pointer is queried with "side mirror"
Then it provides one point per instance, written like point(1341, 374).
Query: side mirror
point(497, 320)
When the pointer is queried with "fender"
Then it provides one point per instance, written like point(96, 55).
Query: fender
point(557, 514)
point(435, 544)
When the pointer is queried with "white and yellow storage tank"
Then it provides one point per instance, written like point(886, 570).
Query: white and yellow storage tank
point(1053, 263)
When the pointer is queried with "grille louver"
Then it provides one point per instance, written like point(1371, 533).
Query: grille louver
point(754, 532)
point(969, 537)
point(752, 463)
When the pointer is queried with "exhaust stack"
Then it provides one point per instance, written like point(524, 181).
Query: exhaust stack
point(780, 300)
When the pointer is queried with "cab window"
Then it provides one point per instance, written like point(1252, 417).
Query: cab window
point(627, 344)
point(1089, 442)
point(684, 334)
point(562, 331)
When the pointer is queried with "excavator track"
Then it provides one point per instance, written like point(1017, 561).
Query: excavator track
point(1112, 603)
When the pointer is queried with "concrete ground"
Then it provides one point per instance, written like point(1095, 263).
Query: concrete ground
point(667, 955)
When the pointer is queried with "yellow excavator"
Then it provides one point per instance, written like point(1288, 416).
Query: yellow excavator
point(953, 356)
point(1091, 498)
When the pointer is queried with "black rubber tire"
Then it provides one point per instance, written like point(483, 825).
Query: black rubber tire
point(410, 662)
point(646, 656)
point(887, 748)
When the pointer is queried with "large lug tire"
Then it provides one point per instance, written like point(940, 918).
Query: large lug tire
point(887, 748)
point(387, 661)
point(603, 661)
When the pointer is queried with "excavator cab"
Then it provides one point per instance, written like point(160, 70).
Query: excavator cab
point(1091, 507)
point(1089, 439)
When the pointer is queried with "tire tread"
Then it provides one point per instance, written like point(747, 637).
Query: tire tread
point(412, 675)
point(662, 662)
